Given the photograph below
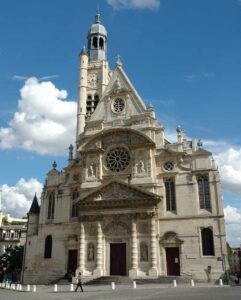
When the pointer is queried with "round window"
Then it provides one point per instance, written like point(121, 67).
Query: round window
point(117, 159)
point(168, 166)
point(118, 105)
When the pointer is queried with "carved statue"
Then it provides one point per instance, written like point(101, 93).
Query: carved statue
point(141, 167)
point(92, 170)
point(91, 253)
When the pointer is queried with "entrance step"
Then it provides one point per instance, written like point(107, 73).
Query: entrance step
point(106, 280)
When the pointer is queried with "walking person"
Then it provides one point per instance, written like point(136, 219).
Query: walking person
point(79, 282)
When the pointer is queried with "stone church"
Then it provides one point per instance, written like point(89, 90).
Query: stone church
point(129, 202)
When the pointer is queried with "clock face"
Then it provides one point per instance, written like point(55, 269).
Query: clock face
point(93, 80)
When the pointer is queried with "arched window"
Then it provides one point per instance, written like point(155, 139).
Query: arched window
point(170, 195)
point(51, 205)
point(95, 42)
point(204, 193)
point(207, 242)
point(143, 251)
point(101, 43)
point(48, 247)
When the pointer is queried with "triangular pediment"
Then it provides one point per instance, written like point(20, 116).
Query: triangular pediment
point(119, 86)
point(116, 190)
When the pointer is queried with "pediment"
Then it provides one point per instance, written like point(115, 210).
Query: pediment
point(116, 191)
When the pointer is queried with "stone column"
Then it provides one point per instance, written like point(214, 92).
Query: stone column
point(99, 251)
point(134, 250)
point(153, 256)
point(82, 249)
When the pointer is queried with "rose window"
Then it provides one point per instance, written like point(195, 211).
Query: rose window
point(168, 166)
point(118, 105)
point(117, 159)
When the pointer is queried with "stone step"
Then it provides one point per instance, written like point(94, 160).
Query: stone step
point(105, 280)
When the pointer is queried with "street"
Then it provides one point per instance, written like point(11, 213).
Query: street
point(151, 292)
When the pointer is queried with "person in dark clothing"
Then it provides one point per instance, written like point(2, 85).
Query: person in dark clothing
point(79, 282)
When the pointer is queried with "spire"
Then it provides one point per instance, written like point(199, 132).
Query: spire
point(118, 61)
point(34, 209)
point(97, 17)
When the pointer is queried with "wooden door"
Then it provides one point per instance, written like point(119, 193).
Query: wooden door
point(72, 260)
point(173, 261)
point(118, 259)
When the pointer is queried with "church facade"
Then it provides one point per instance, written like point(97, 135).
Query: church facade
point(129, 202)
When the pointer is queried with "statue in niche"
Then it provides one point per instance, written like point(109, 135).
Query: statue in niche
point(91, 252)
point(141, 167)
point(144, 252)
point(92, 170)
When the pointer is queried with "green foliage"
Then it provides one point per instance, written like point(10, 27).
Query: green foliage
point(5, 221)
point(229, 254)
point(12, 259)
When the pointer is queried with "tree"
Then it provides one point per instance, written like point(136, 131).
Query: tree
point(12, 259)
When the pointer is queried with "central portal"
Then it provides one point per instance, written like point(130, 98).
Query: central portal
point(118, 259)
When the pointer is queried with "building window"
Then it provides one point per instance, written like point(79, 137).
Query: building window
point(143, 251)
point(170, 195)
point(51, 205)
point(204, 192)
point(74, 210)
point(207, 242)
point(48, 247)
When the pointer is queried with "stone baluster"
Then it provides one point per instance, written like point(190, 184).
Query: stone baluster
point(153, 270)
point(99, 251)
point(82, 248)
point(134, 250)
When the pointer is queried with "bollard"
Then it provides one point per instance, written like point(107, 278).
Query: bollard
point(7, 285)
point(34, 288)
point(220, 282)
point(28, 287)
point(192, 282)
point(71, 287)
point(134, 284)
point(13, 287)
point(20, 287)
point(112, 285)
point(174, 283)
point(55, 288)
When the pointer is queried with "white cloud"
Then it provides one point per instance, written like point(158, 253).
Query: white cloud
point(16, 200)
point(229, 163)
point(23, 78)
point(199, 75)
point(233, 225)
point(134, 4)
point(45, 121)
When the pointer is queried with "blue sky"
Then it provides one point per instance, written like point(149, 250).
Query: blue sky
point(183, 56)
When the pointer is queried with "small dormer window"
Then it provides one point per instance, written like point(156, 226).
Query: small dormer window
point(118, 105)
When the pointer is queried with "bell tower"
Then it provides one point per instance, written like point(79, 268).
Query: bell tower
point(94, 74)
point(97, 40)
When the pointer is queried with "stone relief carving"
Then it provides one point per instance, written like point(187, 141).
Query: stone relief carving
point(143, 227)
point(91, 229)
point(117, 228)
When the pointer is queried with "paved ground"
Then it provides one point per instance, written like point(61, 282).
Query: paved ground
point(124, 292)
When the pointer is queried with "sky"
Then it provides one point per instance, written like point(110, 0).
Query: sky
point(182, 56)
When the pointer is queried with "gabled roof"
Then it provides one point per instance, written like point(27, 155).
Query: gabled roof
point(119, 84)
point(34, 209)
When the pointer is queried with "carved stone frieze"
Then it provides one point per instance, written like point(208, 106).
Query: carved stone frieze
point(91, 218)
